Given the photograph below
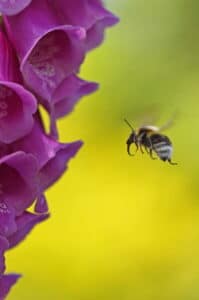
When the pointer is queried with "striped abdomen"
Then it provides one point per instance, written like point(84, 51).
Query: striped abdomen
point(162, 146)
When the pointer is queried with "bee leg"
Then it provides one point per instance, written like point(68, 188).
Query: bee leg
point(128, 149)
point(137, 147)
point(151, 149)
point(151, 153)
point(147, 150)
point(141, 149)
point(172, 163)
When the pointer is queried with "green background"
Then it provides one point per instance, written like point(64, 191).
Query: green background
point(126, 228)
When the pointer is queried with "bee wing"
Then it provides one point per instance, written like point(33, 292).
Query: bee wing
point(170, 122)
point(151, 115)
point(148, 116)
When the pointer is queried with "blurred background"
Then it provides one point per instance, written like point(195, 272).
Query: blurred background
point(121, 227)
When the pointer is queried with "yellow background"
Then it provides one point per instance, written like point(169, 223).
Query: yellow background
point(124, 228)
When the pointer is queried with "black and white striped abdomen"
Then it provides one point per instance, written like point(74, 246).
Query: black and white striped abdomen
point(162, 146)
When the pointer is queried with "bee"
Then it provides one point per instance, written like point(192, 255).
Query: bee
point(149, 138)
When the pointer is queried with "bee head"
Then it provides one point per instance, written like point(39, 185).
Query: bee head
point(132, 138)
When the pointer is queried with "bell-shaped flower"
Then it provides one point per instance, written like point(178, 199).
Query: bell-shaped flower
point(90, 14)
point(53, 48)
point(19, 181)
point(58, 164)
point(17, 105)
point(24, 224)
point(42, 45)
point(48, 51)
point(64, 98)
point(52, 157)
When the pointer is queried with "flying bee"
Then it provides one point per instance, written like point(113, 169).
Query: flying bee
point(150, 138)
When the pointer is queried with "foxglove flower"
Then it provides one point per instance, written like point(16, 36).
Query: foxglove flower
point(89, 14)
point(24, 223)
point(48, 51)
point(53, 48)
point(66, 95)
point(19, 182)
point(42, 46)
point(51, 156)
point(17, 105)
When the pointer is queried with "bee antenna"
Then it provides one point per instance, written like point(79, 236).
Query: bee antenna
point(127, 122)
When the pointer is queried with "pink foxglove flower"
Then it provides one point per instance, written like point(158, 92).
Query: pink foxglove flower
point(42, 46)
point(24, 224)
point(17, 105)
point(48, 51)
point(19, 181)
point(89, 14)
point(67, 94)
point(52, 157)
point(53, 48)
